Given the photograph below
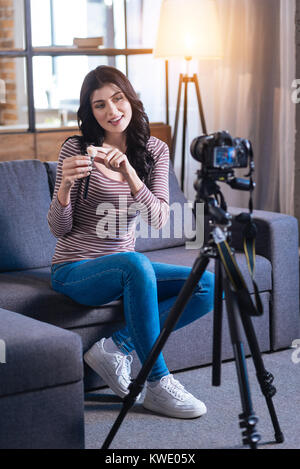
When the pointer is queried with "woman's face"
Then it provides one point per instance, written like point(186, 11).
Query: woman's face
point(111, 108)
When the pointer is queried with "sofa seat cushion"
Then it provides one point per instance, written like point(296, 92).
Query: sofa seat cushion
point(181, 256)
point(38, 355)
point(178, 228)
point(29, 292)
point(26, 241)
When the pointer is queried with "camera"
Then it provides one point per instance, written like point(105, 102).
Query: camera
point(219, 154)
point(219, 151)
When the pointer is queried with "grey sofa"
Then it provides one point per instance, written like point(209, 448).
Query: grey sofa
point(29, 304)
point(41, 391)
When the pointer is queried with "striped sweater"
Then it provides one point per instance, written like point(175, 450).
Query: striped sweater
point(105, 222)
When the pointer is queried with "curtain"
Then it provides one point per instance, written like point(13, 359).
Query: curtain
point(287, 121)
point(248, 93)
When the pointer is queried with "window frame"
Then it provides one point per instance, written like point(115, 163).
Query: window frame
point(29, 52)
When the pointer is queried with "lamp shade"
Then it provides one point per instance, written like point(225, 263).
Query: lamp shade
point(188, 28)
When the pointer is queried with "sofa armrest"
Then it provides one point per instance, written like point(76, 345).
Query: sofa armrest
point(31, 349)
point(41, 385)
point(277, 240)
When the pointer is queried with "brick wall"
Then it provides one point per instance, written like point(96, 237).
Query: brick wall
point(8, 111)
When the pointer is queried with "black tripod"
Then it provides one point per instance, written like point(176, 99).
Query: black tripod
point(238, 310)
point(236, 316)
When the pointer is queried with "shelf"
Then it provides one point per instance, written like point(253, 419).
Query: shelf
point(13, 52)
point(63, 128)
point(72, 50)
point(45, 128)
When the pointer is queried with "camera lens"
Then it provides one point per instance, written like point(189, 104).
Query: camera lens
point(196, 148)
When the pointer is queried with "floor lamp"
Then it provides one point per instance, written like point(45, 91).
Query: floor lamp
point(185, 79)
point(187, 29)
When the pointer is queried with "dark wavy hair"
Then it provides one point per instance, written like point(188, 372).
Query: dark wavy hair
point(138, 130)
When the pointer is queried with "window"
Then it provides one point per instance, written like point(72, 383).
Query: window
point(46, 70)
point(57, 22)
point(142, 22)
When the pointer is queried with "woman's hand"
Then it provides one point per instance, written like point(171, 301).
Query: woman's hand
point(73, 168)
point(117, 161)
point(114, 159)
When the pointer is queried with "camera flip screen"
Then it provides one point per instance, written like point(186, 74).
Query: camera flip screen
point(224, 156)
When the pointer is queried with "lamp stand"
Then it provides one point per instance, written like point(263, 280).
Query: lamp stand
point(186, 80)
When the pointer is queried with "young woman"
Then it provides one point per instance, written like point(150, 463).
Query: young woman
point(94, 267)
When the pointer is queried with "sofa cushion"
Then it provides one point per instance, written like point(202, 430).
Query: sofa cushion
point(29, 292)
point(38, 355)
point(51, 167)
point(177, 229)
point(158, 239)
point(26, 241)
point(183, 256)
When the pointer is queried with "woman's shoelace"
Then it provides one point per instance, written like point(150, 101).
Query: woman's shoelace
point(174, 387)
point(124, 366)
point(168, 382)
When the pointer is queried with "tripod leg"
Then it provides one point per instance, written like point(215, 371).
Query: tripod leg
point(136, 386)
point(173, 144)
point(264, 378)
point(248, 418)
point(200, 106)
point(184, 132)
point(217, 331)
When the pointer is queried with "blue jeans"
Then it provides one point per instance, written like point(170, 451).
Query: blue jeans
point(149, 290)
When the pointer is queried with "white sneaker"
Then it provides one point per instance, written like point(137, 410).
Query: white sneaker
point(114, 368)
point(169, 397)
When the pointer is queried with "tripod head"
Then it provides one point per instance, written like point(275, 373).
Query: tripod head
point(219, 155)
point(215, 206)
